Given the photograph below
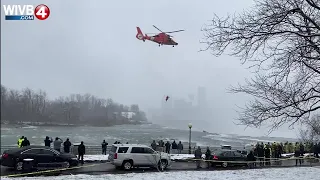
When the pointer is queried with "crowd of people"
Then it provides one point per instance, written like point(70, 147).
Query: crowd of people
point(167, 147)
point(265, 152)
point(57, 144)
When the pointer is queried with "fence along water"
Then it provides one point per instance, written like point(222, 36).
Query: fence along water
point(96, 149)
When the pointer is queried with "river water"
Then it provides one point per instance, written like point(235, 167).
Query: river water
point(142, 134)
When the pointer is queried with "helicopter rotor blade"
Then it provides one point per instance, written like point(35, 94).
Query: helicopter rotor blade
point(157, 28)
point(174, 31)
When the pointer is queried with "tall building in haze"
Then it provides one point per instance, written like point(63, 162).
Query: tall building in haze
point(202, 97)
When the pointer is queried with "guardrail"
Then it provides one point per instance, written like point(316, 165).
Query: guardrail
point(96, 149)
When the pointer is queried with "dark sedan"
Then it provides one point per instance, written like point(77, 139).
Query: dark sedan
point(227, 158)
point(41, 156)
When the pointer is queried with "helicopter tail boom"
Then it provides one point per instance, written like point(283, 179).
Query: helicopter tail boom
point(140, 35)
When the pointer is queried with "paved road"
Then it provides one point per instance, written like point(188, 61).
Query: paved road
point(102, 168)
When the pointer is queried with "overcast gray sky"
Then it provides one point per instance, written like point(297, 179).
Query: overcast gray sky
point(90, 47)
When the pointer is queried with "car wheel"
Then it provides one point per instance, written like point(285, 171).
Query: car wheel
point(224, 164)
point(19, 166)
point(127, 165)
point(163, 164)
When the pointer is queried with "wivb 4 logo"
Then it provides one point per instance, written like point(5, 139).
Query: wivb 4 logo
point(26, 12)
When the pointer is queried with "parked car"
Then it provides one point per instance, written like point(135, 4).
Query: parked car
point(227, 158)
point(127, 156)
point(42, 157)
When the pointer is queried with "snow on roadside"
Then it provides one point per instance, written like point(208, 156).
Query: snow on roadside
point(296, 173)
point(183, 156)
point(95, 157)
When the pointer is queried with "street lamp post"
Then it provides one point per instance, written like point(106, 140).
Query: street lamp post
point(190, 126)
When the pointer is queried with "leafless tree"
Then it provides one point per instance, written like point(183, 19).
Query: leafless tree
point(34, 107)
point(311, 131)
point(280, 40)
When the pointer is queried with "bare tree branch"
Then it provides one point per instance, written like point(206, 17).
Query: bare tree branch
point(281, 39)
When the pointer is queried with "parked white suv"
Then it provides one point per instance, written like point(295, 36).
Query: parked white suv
point(127, 156)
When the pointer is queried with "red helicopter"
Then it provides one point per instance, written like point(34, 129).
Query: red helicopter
point(162, 38)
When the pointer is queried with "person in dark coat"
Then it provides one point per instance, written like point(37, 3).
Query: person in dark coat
point(47, 141)
point(161, 146)
point(174, 147)
point(66, 146)
point(104, 145)
point(252, 159)
point(297, 153)
point(208, 157)
point(25, 142)
point(168, 147)
point(81, 151)
point(154, 145)
point(198, 157)
point(316, 150)
point(267, 154)
point(302, 151)
point(260, 151)
point(180, 147)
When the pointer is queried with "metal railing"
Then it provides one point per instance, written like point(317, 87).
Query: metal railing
point(97, 149)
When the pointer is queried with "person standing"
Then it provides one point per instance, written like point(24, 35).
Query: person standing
point(198, 156)
point(168, 147)
point(180, 147)
point(57, 144)
point(161, 146)
point(267, 154)
point(302, 150)
point(81, 151)
point(260, 150)
point(154, 145)
point(104, 145)
point(297, 154)
point(66, 146)
point(174, 147)
point(251, 159)
point(47, 141)
point(208, 157)
point(25, 142)
point(20, 140)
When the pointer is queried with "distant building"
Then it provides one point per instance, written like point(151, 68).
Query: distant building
point(202, 97)
point(181, 103)
point(127, 115)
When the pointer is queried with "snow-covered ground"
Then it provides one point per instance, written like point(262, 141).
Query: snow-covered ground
point(296, 173)
point(292, 155)
point(182, 156)
point(95, 157)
